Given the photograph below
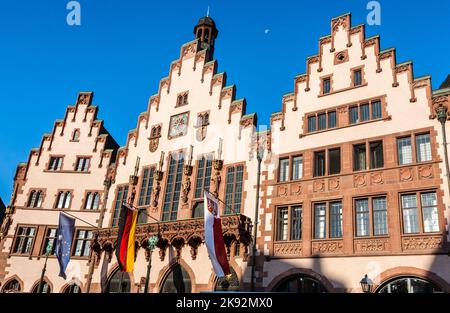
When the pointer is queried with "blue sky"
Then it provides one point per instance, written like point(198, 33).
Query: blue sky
point(123, 48)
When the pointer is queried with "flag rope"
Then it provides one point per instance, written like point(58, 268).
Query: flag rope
point(77, 218)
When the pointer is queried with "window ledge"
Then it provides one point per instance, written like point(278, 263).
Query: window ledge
point(67, 172)
point(342, 90)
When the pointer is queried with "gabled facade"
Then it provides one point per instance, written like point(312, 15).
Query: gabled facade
point(349, 180)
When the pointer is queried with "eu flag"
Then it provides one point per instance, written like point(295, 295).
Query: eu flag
point(66, 230)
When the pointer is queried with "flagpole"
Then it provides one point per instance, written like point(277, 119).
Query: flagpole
point(47, 253)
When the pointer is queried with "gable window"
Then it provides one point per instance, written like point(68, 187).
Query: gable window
point(404, 151)
point(121, 196)
point(55, 164)
point(83, 164)
point(24, 240)
point(371, 216)
point(92, 201)
point(376, 154)
point(332, 222)
point(326, 86)
point(376, 109)
point(319, 163)
point(182, 99)
point(203, 120)
point(156, 132)
point(297, 167)
point(76, 135)
point(289, 223)
point(283, 170)
point(365, 112)
point(312, 124)
point(322, 118)
point(49, 241)
point(63, 200)
point(173, 187)
point(233, 191)
point(203, 181)
point(420, 213)
point(354, 118)
point(357, 78)
point(334, 161)
point(82, 243)
point(35, 199)
point(359, 157)
point(423, 147)
point(332, 119)
point(145, 194)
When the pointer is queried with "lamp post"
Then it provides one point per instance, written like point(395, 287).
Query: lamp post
point(259, 156)
point(366, 284)
point(441, 113)
point(152, 241)
point(47, 253)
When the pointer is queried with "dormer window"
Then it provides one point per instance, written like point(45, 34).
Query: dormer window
point(182, 99)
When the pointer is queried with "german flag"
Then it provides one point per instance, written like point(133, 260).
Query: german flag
point(125, 239)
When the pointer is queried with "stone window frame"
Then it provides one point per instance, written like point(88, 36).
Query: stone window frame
point(326, 149)
point(182, 99)
point(75, 165)
point(153, 129)
point(289, 206)
point(28, 199)
point(85, 198)
point(72, 136)
point(58, 191)
point(116, 198)
point(327, 219)
point(47, 165)
point(413, 135)
point(367, 143)
point(85, 240)
point(244, 169)
point(370, 198)
point(16, 237)
point(207, 157)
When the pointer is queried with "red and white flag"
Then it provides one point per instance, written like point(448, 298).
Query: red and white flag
point(214, 236)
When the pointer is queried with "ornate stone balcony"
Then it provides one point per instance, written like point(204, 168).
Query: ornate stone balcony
point(181, 233)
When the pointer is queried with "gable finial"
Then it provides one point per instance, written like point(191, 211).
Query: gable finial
point(207, 12)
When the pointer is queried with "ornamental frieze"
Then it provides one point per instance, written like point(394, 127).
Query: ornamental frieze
point(372, 245)
point(327, 247)
point(287, 248)
point(422, 243)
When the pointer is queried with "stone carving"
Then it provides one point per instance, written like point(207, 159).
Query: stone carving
point(288, 248)
point(84, 99)
point(187, 169)
point(422, 243)
point(217, 178)
point(327, 247)
point(376, 179)
point(406, 174)
point(319, 185)
point(157, 189)
point(341, 21)
point(426, 171)
point(359, 180)
point(333, 184)
point(372, 245)
point(296, 190)
point(282, 191)
point(155, 134)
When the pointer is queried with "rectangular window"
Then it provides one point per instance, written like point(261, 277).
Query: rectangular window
point(173, 187)
point(362, 217)
point(326, 86)
point(365, 112)
point(142, 217)
point(357, 78)
point(336, 219)
point(233, 192)
point(297, 168)
point(332, 119)
point(24, 240)
point(423, 147)
point(380, 226)
point(82, 164)
point(296, 223)
point(376, 110)
point(121, 196)
point(319, 163)
point(49, 241)
point(353, 112)
point(145, 194)
point(359, 157)
point(283, 170)
point(312, 124)
point(320, 220)
point(376, 154)
point(429, 212)
point(404, 151)
point(82, 243)
point(203, 181)
point(55, 164)
point(322, 121)
point(410, 216)
point(283, 220)
point(334, 160)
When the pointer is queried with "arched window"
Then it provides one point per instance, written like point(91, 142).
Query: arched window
point(63, 200)
point(207, 34)
point(12, 286)
point(119, 283)
point(76, 135)
point(45, 288)
point(300, 284)
point(199, 33)
point(177, 281)
point(35, 199)
point(92, 201)
point(409, 285)
point(72, 288)
point(230, 284)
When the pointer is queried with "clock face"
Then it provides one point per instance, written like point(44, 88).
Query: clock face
point(178, 125)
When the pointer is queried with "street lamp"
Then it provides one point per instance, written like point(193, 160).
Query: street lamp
point(366, 284)
point(152, 241)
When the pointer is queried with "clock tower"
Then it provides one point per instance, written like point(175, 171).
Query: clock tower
point(206, 32)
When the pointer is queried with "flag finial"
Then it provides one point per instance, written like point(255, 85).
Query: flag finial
point(207, 12)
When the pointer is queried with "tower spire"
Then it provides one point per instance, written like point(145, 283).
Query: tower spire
point(206, 32)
